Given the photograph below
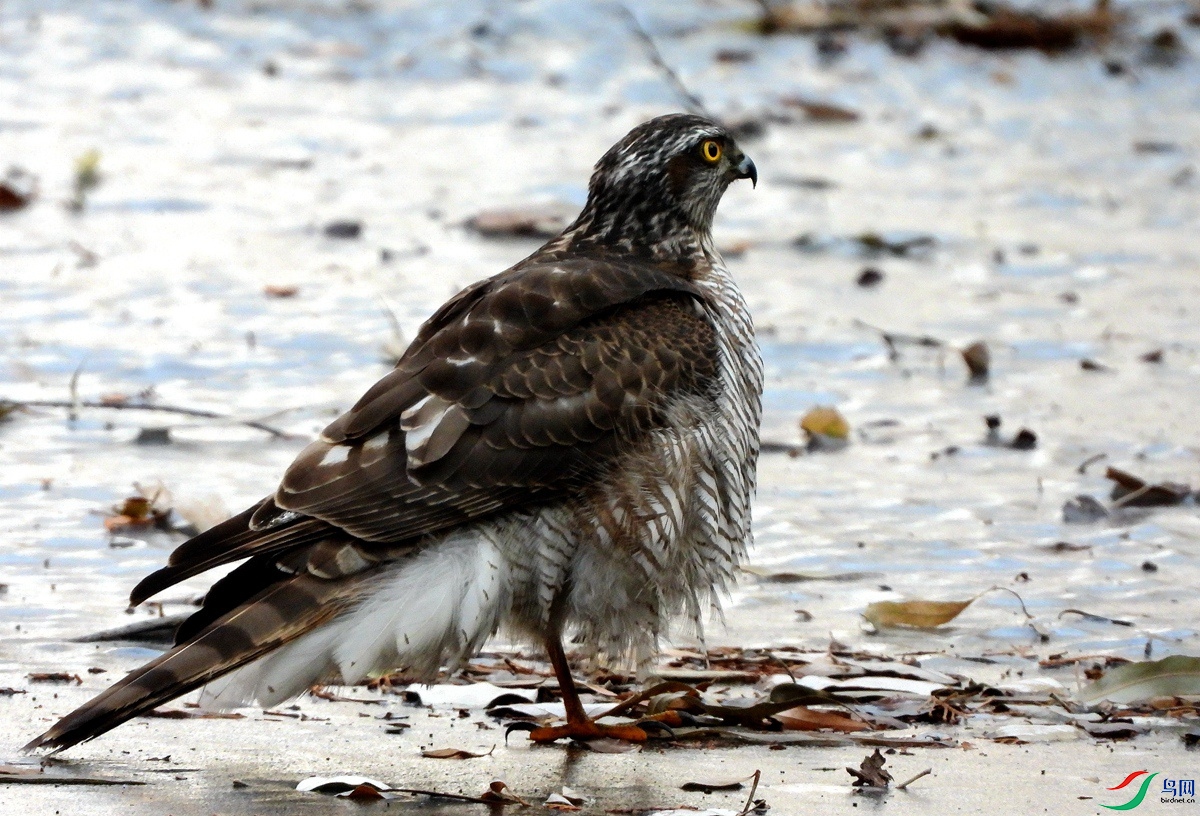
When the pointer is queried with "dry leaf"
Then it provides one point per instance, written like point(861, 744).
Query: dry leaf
point(142, 510)
point(709, 787)
point(825, 429)
point(534, 221)
point(825, 421)
point(817, 111)
point(978, 360)
point(348, 230)
point(362, 793)
point(453, 753)
point(871, 773)
point(1132, 491)
point(273, 291)
point(914, 614)
point(54, 677)
point(338, 784)
point(19, 770)
point(499, 792)
point(1172, 676)
point(803, 718)
point(556, 801)
point(17, 189)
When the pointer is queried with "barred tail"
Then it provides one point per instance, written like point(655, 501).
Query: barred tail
point(279, 614)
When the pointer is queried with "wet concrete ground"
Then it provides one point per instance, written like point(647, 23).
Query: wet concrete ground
point(270, 755)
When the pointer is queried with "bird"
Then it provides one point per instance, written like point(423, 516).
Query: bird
point(566, 449)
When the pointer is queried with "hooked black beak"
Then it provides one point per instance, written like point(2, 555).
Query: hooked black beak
point(746, 169)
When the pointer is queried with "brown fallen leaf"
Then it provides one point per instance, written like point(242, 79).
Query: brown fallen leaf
point(914, 614)
point(19, 770)
point(363, 793)
point(275, 291)
point(343, 229)
point(453, 753)
point(145, 509)
point(17, 189)
point(566, 801)
point(869, 277)
point(978, 360)
point(816, 111)
point(803, 718)
point(709, 787)
point(1005, 29)
point(871, 773)
point(825, 429)
point(535, 221)
point(1132, 491)
point(18, 775)
point(54, 677)
point(180, 714)
point(498, 792)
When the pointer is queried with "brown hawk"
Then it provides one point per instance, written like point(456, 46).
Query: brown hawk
point(567, 447)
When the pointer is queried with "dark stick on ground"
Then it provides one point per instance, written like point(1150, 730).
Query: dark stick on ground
point(75, 405)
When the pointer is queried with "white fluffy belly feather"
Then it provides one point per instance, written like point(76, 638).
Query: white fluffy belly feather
point(441, 603)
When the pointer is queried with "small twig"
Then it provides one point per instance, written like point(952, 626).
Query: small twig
point(390, 311)
point(1091, 460)
point(1028, 618)
point(893, 340)
point(458, 797)
point(1131, 495)
point(662, 688)
point(74, 404)
point(908, 782)
point(73, 390)
point(785, 667)
point(750, 799)
point(790, 448)
point(1020, 600)
point(691, 101)
point(1096, 618)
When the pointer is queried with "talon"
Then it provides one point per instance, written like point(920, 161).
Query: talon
point(655, 725)
point(523, 725)
point(588, 730)
point(672, 718)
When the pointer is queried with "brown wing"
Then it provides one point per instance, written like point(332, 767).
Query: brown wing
point(516, 392)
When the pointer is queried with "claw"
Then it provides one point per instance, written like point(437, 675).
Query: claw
point(588, 730)
point(518, 726)
point(655, 725)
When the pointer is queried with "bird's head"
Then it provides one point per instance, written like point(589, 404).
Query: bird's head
point(660, 185)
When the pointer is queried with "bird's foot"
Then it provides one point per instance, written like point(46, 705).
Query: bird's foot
point(587, 730)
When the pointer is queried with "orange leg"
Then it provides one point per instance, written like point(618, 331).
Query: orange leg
point(579, 726)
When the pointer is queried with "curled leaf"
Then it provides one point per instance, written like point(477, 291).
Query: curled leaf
point(870, 773)
point(825, 421)
point(978, 360)
point(914, 614)
point(453, 753)
point(1134, 682)
point(802, 718)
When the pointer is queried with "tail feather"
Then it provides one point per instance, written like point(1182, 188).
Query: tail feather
point(278, 615)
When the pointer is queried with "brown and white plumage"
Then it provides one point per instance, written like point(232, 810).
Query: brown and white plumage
point(567, 446)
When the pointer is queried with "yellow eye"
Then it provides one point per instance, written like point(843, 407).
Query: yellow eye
point(710, 151)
